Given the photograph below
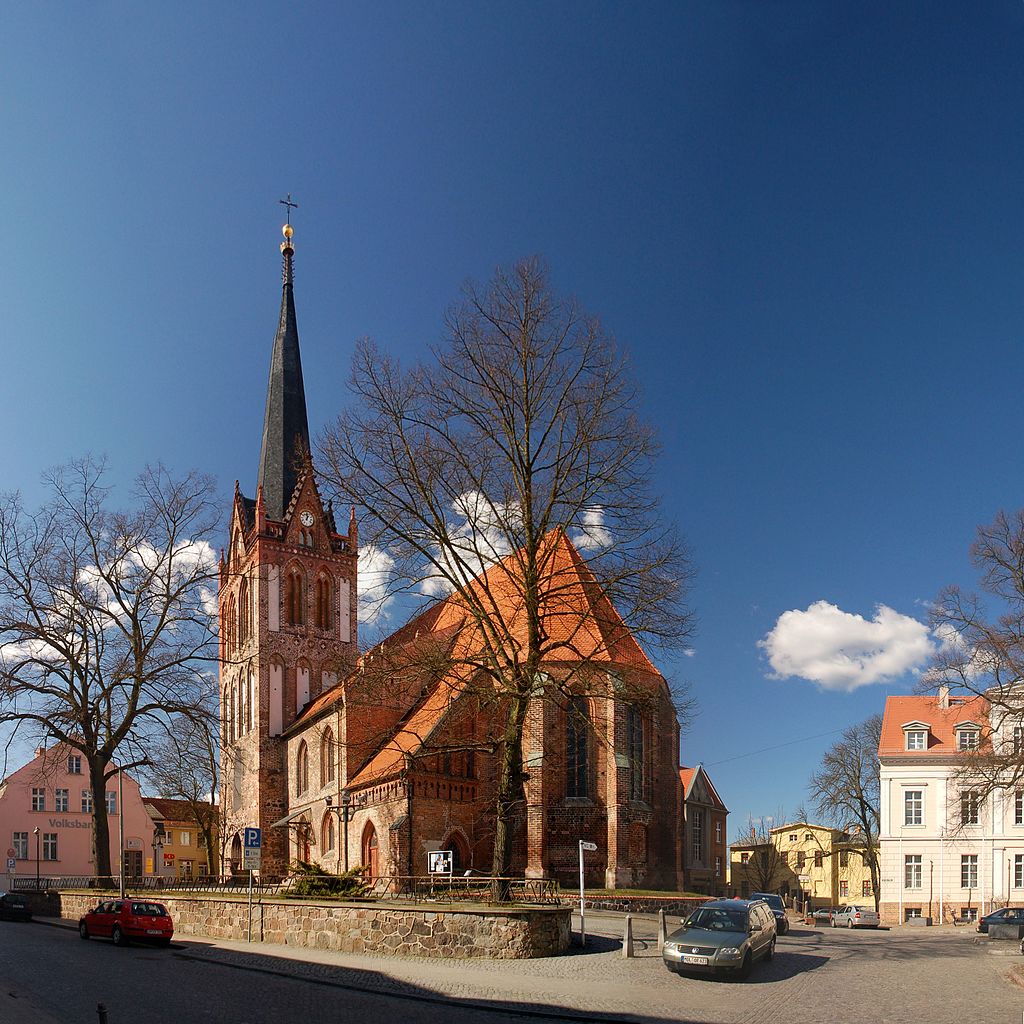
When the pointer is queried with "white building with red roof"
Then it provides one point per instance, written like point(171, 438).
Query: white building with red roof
point(948, 851)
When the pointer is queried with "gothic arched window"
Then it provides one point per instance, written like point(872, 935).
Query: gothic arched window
point(244, 611)
point(294, 598)
point(636, 752)
point(327, 832)
point(327, 757)
point(577, 763)
point(323, 603)
point(302, 769)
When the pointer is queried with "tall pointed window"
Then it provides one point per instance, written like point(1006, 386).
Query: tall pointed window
point(323, 603)
point(636, 753)
point(371, 859)
point(327, 832)
point(244, 612)
point(294, 598)
point(302, 769)
point(327, 757)
point(577, 729)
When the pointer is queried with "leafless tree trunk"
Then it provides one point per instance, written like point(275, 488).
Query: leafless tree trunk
point(845, 789)
point(766, 869)
point(525, 426)
point(106, 616)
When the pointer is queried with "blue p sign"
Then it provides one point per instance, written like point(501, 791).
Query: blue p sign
point(252, 839)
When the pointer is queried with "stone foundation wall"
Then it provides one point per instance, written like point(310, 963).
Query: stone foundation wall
point(434, 931)
point(950, 912)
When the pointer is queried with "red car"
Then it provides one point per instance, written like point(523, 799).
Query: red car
point(127, 919)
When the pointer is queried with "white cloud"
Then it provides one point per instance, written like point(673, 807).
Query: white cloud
point(842, 651)
point(375, 597)
point(478, 537)
point(592, 534)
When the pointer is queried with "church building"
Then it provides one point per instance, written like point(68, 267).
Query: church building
point(381, 757)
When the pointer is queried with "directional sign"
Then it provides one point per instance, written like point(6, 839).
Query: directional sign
point(591, 847)
point(251, 858)
point(252, 839)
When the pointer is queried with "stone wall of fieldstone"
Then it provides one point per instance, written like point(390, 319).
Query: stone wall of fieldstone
point(435, 930)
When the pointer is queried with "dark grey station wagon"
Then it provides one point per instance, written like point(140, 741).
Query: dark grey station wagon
point(723, 935)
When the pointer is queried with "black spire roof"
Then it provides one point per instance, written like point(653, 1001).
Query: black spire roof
point(285, 430)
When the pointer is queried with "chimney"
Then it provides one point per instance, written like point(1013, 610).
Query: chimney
point(943, 696)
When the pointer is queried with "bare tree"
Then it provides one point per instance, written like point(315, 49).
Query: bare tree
point(184, 765)
point(766, 868)
point(981, 654)
point(106, 616)
point(525, 427)
point(845, 789)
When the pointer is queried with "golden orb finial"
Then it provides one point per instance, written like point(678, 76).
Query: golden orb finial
point(288, 231)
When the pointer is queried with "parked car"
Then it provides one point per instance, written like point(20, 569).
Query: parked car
point(823, 915)
point(855, 917)
point(723, 935)
point(777, 907)
point(1008, 915)
point(127, 919)
point(14, 908)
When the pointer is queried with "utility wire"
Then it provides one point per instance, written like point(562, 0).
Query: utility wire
point(777, 746)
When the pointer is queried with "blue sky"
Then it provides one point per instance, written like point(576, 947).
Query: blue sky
point(801, 219)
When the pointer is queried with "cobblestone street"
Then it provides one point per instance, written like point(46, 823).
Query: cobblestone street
point(817, 976)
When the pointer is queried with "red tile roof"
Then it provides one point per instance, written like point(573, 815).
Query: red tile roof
point(579, 624)
point(687, 775)
point(941, 722)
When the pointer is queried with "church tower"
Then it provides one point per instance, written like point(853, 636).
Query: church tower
point(287, 607)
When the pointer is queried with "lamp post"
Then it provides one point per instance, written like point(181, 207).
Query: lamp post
point(158, 849)
point(344, 813)
point(35, 832)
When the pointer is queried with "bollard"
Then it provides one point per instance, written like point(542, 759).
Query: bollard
point(101, 1010)
point(661, 930)
point(627, 937)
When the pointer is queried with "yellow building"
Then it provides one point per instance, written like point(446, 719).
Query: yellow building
point(179, 848)
point(808, 863)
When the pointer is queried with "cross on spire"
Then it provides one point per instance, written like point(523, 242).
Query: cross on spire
point(290, 206)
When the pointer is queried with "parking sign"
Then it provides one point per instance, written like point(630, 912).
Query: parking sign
point(252, 838)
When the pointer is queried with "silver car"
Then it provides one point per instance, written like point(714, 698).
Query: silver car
point(855, 916)
point(723, 935)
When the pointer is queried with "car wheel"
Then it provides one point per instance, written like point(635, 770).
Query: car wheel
point(118, 936)
point(832, 923)
point(849, 922)
point(771, 950)
point(744, 971)
point(83, 930)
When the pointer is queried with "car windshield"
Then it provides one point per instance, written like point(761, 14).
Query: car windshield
point(719, 919)
point(775, 902)
point(149, 909)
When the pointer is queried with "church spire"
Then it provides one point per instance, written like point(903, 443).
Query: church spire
point(285, 429)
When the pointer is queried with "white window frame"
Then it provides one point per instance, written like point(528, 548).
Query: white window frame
point(967, 740)
point(970, 807)
point(185, 839)
point(38, 798)
point(913, 807)
point(61, 799)
point(50, 846)
point(917, 739)
point(913, 871)
point(1018, 807)
point(87, 801)
point(74, 764)
point(19, 840)
point(1018, 871)
point(111, 801)
point(969, 871)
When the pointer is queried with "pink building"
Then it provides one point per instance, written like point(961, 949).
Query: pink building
point(46, 814)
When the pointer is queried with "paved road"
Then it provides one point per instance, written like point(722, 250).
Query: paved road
point(49, 976)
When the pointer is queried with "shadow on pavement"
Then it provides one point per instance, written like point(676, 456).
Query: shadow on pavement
point(377, 983)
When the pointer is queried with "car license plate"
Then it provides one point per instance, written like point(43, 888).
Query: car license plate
point(154, 931)
point(701, 961)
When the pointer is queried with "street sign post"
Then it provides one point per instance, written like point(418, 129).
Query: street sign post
point(591, 848)
point(252, 848)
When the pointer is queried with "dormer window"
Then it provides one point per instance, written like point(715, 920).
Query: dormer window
point(967, 739)
point(915, 735)
point(917, 739)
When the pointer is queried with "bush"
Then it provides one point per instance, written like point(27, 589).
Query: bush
point(313, 880)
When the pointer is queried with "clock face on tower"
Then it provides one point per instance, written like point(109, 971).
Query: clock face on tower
point(306, 518)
